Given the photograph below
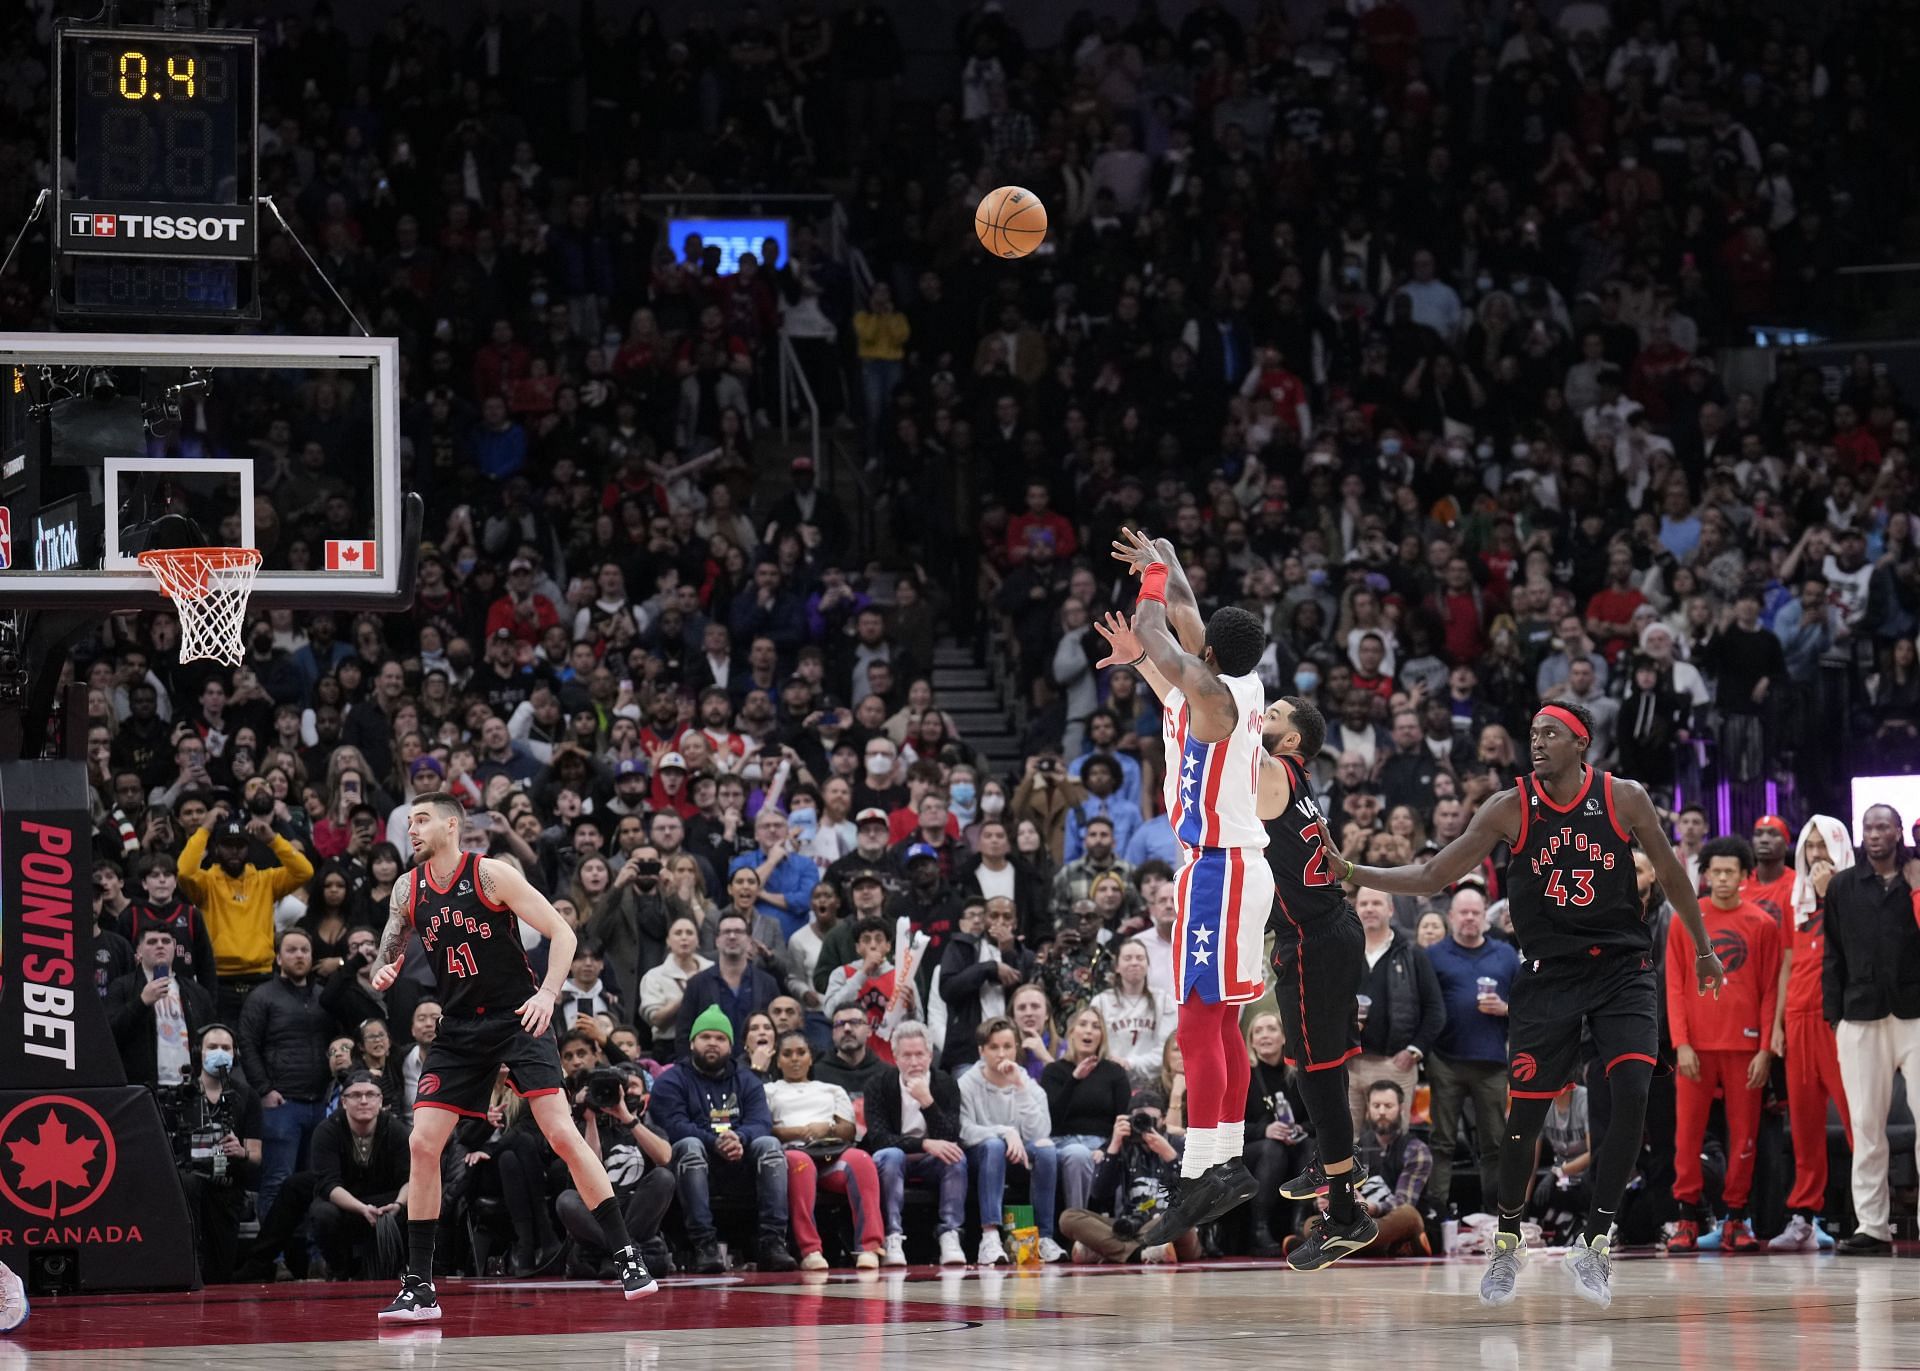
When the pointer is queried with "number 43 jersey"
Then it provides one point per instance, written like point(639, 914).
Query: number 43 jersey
point(1570, 882)
point(479, 964)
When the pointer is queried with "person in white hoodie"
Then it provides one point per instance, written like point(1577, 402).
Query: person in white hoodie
point(1803, 1036)
point(1004, 1120)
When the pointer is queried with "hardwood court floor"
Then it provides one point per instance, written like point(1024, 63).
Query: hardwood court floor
point(1729, 1314)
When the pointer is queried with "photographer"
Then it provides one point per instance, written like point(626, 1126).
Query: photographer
point(1133, 1184)
point(632, 925)
point(610, 1105)
point(360, 1169)
point(219, 1122)
point(156, 1015)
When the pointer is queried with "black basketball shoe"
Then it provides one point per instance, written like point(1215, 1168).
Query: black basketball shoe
point(1327, 1242)
point(416, 1302)
point(1312, 1183)
point(635, 1279)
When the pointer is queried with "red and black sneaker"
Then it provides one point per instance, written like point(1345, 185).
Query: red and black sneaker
point(1736, 1236)
point(1686, 1237)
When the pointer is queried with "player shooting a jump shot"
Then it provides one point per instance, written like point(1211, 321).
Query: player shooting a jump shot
point(1205, 678)
point(467, 910)
point(1586, 961)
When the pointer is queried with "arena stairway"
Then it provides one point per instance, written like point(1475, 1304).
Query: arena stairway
point(977, 697)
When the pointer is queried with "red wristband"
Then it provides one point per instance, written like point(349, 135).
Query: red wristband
point(1153, 583)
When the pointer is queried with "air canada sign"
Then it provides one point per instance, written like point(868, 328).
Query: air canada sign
point(57, 1159)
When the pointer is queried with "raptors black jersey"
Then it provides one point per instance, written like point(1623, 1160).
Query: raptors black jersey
point(479, 964)
point(1570, 883)
point(1305, 889)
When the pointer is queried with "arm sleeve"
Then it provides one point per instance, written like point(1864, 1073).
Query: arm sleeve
point(756, 1116)
point(1833, 969)
point(1679, 981)
point(295, 870)
point(1036, 1119)
point(842, 986)
point(974, 1126)
point(188, 868)
point(1433, 1006)
point(253, 1027)
point(325, 1162)
point(1770, 969)
point(1415, 1168)
point(668, 1111)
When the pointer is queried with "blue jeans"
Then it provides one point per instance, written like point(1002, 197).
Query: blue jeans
point(284, 1134)
point(896, 1168)
point(696, 1167)
point(989, 1162)
point(1077, 1166)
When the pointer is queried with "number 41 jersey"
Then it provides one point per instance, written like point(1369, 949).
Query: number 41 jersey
point(1570, 883)
point(479, 964)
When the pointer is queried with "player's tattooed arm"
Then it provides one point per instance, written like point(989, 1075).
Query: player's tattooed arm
point(1496, 822)
point(393, 938)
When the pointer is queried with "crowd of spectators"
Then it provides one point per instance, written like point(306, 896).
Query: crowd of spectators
point(1405, 336)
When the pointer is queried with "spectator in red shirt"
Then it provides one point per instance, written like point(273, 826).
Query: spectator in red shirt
point(1610, 611)
point(522, 611)
point(1855, 445)
point(1040, 515)
point(500, 363)
point(1457, 603)
point(1722, 1044)
point(1370, 656)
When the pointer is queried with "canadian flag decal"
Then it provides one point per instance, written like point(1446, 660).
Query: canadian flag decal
point(350, 554)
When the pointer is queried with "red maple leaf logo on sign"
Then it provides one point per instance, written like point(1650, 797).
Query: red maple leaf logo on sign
point(51, 1160)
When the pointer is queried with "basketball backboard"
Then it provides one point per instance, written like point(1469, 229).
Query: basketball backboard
point(111, 444)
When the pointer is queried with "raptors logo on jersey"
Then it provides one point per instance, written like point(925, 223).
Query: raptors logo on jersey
point(1570, 876)
point(473, 944)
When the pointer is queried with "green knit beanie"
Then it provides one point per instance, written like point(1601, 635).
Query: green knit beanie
point(713, 1019)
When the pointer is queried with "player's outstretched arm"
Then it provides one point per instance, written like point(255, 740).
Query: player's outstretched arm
point(1643, 822)
point(1139, 552)
point(1209, 701)
point(1496, 822)
point(1124, 649)
point(393, 938)
point(503, 883)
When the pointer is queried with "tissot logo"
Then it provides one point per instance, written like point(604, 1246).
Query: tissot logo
point(157, 227)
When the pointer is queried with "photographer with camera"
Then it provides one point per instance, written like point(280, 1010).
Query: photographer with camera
point(156, 1015)
point(610, 1104)
point(631, 923)
point(1133, 1184)
point(217, 1142)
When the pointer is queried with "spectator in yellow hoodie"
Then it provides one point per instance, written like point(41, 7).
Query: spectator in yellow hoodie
point(881, 332)
point(238, 898)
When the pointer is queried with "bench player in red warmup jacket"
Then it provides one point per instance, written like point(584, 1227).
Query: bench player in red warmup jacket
point(1722, 1045)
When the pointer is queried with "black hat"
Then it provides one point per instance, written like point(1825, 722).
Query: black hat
point(229, 828)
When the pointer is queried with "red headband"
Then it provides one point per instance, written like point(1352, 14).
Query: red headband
point(1569, 718)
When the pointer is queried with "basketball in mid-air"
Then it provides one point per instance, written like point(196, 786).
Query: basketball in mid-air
point(1011, 221)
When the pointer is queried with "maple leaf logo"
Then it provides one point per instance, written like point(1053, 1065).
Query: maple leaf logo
point(63, 1157)
point(53, 1158)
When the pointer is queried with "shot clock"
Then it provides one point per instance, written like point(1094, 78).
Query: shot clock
point(159, 127)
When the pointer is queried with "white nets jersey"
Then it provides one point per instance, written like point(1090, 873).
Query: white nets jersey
point(1212, 789)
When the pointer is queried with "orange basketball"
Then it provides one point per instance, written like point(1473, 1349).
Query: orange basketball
point(1011, 222)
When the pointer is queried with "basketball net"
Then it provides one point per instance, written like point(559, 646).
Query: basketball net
point(209, 587)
